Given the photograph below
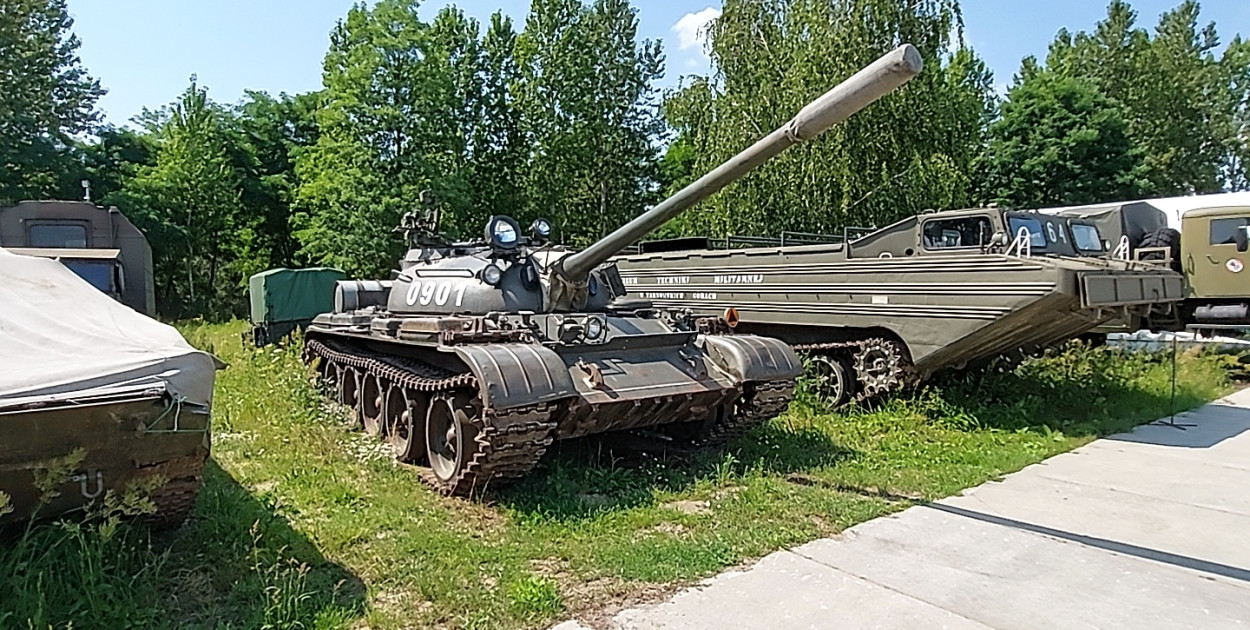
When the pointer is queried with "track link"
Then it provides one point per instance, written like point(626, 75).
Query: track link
point(508, 442)
point(760, 402)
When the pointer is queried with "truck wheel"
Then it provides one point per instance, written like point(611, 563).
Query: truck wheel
point(1163, 237)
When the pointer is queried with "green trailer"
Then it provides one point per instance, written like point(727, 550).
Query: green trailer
point(285, 299)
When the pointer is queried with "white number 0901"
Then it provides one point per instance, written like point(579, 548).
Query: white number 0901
point(434, 291)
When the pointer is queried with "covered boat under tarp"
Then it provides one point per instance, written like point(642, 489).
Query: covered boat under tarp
point(88, 382)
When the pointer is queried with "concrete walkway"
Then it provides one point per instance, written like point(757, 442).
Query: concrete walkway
point(1148, 529)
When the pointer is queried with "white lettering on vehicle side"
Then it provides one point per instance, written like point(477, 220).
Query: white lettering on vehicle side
point(673, 280)
point(741, 278)
point(435, 291)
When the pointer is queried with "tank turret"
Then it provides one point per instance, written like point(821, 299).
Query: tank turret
point(476, 355)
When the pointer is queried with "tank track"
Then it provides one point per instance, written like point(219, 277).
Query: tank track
point(510, 441)
point(761, 402)
point(901, 373)
point(176, 498)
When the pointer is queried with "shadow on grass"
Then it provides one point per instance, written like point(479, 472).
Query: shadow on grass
point(235, 563)
point(584, 478)
point(238, 562)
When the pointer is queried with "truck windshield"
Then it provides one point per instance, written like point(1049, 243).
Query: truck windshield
point(99, 273)
point(1086, 237)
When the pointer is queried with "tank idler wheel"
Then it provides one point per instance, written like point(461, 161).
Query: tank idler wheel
point(405, 423)
point(372, 404)
point(834, 378)
point(451, 443)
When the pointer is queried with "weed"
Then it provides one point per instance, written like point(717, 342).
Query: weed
point(535, 598)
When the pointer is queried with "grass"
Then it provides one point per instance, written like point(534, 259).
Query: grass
point(304, 523)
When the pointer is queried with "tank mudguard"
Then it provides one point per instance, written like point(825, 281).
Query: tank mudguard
point(753, 358)
point(514, 374)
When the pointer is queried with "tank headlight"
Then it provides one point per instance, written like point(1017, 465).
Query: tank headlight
point(502, 232)
point(594, 328)
point(492, 275)
point(540, 230)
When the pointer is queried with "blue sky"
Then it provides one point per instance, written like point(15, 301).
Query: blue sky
point(144, 51)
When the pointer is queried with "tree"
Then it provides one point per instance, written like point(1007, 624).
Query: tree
point(188, 203)
point(589, 112)
point(1178, 98)
point(46, 98)
point(1060, 142)
point(391, 125)
point(912, 150)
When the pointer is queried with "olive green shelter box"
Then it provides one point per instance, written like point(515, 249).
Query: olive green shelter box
point(285, 299)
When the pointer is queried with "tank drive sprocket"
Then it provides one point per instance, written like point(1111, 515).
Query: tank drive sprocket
point(879, 368)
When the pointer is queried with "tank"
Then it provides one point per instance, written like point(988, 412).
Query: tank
point(929, 293)
point(476, 356)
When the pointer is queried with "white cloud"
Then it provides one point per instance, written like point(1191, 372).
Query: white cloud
point(691, 28)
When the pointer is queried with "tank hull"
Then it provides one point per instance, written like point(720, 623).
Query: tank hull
point(147, 443)
point(518, 396)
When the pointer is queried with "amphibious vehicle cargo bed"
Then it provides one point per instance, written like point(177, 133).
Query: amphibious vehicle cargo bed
point(931, 292)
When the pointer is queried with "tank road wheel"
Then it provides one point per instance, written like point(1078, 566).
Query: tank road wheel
point(330, 375)
point(372, 404)
point(878, 368)
point(405, 423)
point(833, 377)
point(451, 443)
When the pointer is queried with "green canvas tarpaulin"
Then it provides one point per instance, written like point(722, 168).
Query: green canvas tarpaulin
point(292, 295)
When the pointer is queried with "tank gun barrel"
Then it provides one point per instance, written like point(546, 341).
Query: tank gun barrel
point(878, 79)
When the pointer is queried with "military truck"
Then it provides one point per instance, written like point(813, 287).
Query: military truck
point(931, 292)
point(1207, 249)
point(283, 300)
point(99, 244)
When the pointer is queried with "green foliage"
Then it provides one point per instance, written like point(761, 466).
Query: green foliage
point(189, 205)
point(46, 98)
point(909, 151)
point(1060, 142)
point(1185, 107)
point(589, 114)
point(535, 598)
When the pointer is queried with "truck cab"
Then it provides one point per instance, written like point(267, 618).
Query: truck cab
point(99, 244)
point(1213, 253)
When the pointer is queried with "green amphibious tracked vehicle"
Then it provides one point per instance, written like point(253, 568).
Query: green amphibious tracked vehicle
point(478, 355)
point(931, 292)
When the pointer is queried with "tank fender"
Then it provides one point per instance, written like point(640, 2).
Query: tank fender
point(753, 358)
point(514, 374)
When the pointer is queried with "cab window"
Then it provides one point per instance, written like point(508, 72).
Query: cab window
point(58, 235)
point(960, 232)
point(1222, 230)
point(1086, 237)
point(1037, 236)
